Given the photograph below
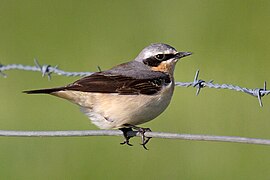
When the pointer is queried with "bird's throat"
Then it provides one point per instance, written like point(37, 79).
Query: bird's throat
point(167, 67)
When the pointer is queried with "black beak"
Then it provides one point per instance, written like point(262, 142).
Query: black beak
point(183, 54)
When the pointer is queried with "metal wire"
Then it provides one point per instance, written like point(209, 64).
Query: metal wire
point(163, 135)
point(47, 70)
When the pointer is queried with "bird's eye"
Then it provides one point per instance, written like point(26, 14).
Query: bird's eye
point(160, 57)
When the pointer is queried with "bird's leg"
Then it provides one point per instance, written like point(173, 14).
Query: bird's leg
point(145, 139)
point(125, 131)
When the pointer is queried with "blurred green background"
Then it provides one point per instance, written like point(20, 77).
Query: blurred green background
point(231, 44)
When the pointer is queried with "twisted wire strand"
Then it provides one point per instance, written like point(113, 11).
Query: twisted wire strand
point(48, 70)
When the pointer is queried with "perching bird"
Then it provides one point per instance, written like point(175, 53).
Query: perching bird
point(128, 94)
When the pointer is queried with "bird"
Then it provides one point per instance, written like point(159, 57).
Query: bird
point(128, 94)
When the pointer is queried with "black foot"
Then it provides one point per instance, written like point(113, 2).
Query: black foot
point(126, 141)
point(145, 139)
point(141, 130)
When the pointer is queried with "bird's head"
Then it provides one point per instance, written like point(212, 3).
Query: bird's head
point(160, 57)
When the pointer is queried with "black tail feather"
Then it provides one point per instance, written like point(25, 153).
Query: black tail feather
point(44, 91)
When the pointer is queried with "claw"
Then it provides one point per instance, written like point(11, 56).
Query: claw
point(126, 141)
point(145, 139)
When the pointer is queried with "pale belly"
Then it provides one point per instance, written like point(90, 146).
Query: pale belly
point(109, 111)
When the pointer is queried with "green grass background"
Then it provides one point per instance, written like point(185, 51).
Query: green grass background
point(231, 44)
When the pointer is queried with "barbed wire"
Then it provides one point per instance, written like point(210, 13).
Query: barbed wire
point(163, 135)
point(48, 70)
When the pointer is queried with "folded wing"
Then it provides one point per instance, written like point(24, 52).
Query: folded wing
point(110, 83)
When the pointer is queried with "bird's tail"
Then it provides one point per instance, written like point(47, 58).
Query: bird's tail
point(44, 91)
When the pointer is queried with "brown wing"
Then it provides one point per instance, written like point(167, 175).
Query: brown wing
point(130, 78)
point(108, 83)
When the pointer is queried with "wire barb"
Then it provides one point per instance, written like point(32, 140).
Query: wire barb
point(198, 83)
point(259, 93)
point(44, 69)
point(99, 69)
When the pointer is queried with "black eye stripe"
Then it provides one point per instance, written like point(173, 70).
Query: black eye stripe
point(154, 62)
point(168, 56)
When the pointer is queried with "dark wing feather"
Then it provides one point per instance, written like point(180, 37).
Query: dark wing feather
point(109, 83)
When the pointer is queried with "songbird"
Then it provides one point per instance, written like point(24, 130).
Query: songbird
point(128, 94)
